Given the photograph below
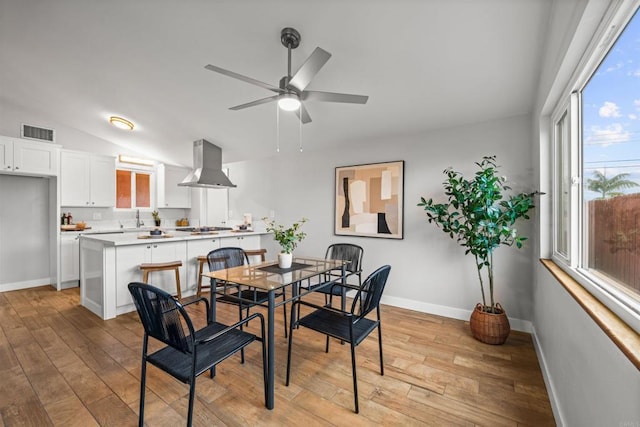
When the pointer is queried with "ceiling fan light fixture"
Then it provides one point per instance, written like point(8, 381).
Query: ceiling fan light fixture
point(289, 102)
point(121, 123)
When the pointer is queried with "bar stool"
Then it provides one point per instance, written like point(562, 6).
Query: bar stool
point(257, 252)
point(202, 260)
point(163, 266)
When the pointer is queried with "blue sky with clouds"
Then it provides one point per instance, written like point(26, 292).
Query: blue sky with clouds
point(611, 111)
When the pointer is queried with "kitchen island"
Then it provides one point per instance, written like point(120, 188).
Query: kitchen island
point(109, 262)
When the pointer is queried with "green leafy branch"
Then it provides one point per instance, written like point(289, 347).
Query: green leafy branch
point(288, 238)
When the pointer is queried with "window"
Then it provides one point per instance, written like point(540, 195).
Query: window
point(596, 168)
point(133, 189)
point(562, 176)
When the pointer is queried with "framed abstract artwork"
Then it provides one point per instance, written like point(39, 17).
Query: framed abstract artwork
point(369, 200)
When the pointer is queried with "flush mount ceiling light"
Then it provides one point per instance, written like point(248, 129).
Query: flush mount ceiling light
point(289, 102)
point(121, 123)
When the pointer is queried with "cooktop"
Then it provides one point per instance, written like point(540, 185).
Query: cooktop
point(204, 228)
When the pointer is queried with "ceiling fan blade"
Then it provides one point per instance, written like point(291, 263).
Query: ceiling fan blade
point(313, 95)
point(309, 69)
point(243, 78)
point(303, 114)
point(254, 103)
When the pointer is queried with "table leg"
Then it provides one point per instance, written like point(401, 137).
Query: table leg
point(271, 351)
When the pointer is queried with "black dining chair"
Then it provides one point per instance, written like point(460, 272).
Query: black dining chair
point(349, 326)
point(188, 352)
point(222, 258)
point(345, 252)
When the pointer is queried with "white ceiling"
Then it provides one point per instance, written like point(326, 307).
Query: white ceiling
point(424, 64)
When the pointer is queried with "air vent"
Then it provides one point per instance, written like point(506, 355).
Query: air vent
point(37, 133)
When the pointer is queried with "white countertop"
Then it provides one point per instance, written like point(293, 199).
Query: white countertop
point(135, 238)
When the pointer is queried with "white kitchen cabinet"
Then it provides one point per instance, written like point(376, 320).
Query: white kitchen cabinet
point(170, 195)
point(69, 259)
point(129, 258)
point(87, 180)
point(20, 156)
point(103, 181)
point(241, 241)
point(217, 206)
point(244, 242)
point(196, 248)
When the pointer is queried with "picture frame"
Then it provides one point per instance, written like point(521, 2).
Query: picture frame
point(369, 200)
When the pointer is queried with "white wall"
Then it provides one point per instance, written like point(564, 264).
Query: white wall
point(590, 381)
point(429, 270)
point(24, 231)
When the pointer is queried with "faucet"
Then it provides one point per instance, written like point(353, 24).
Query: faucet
point(138, 222)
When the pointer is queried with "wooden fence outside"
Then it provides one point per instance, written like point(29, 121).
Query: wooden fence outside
point(614, 238)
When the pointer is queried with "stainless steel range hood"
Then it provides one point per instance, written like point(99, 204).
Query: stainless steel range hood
point(207, 167)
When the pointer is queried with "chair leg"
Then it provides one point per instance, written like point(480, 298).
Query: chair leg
point(284, 312)
point(192, 395)
point(326, 350)
point(143, 380)
point(355, 379)
point(380, 344)
point(239, 320)
point(265, 377)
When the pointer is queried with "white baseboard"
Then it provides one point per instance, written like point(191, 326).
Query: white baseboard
point(5, 287)
point(547, 380)
point(70, 284)
point(454, 313)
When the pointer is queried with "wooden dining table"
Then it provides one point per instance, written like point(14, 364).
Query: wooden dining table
point(267, 276)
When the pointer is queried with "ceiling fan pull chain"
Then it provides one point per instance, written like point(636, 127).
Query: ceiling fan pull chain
point(300, 134)
point(277, 129)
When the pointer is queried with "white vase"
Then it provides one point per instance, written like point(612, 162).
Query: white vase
point(285, 260)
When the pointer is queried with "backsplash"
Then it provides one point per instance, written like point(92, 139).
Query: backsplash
point(108, 218)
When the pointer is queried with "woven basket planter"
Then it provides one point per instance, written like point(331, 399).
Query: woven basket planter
point(489, 328)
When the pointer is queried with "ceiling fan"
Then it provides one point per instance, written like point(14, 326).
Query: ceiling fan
point(291, 92)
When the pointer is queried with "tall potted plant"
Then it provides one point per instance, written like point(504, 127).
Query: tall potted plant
point(288, 238)
point(480, 217)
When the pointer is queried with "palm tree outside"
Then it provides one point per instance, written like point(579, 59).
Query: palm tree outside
point(609, 187)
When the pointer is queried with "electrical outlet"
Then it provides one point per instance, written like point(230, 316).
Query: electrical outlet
point(97, 216)
point(272, 214)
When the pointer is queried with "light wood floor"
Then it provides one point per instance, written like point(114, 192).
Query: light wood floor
point(61, 365)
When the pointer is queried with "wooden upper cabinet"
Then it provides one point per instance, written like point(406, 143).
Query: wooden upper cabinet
point(123, 189)
point(87, 180)
point(143, 190)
